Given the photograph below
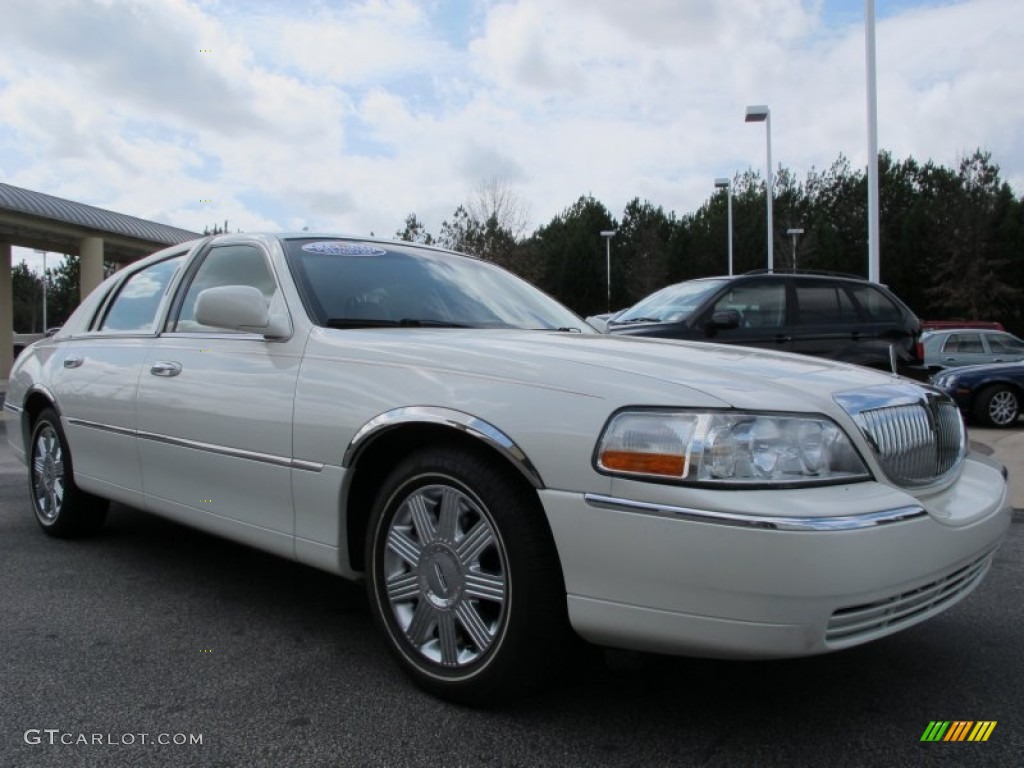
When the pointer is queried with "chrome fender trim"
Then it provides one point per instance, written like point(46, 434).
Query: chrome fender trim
point(764, 522)
point(445, 417)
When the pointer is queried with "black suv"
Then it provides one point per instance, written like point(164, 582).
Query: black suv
point(839, 317)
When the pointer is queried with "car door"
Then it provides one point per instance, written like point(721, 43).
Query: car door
point(963, 348)
point(96, 382)
point(1004, 348)
point(826, 322)
point(760, 308)
point(215, 411)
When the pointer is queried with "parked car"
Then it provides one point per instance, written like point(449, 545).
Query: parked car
point(943, 325)
point(496, 471)
point(836, 317)
point(990, 393)
point(950, 348)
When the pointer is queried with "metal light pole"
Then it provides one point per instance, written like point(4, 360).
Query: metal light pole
point(874, 259)
point(44, 289)
point(794, 233)
point(724, 183)
point(759, 113)
point(608, 234)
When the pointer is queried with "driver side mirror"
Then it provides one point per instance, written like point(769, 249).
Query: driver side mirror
point(240, 308)
point(724, 320)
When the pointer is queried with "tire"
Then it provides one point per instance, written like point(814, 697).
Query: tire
point(61, 508)
point(464, 579)
point(997, 406)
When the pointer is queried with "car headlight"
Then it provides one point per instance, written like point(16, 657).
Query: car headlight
point(728, 448)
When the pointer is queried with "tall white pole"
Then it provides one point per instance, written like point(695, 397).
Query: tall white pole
point(874, 258)
point(729, 191)
point(768, 193)
point(608, 267)
point(608, 234)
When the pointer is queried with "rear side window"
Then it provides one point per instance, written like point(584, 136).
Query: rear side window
point(824, 303)
point(138, 300)
point(878, 307)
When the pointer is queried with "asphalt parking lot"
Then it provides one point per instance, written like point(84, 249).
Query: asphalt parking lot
point(152, 630)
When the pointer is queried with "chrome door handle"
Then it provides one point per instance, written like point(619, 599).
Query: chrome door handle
point(74, 361)
point(165, 368)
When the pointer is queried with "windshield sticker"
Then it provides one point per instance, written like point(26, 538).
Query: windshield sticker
point(335, 248)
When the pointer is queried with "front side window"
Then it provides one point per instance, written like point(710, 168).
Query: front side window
point(760, 305)
point(226, 265)
point(135, 307)
point(1005, 344)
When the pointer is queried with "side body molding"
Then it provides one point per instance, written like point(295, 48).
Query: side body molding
point(445, 417)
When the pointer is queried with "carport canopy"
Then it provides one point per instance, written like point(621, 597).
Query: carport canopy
point(35, 220)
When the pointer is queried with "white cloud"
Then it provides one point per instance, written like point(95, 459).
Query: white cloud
point(352, 115)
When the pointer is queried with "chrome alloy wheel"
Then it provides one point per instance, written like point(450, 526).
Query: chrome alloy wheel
point(48, 474)
point(1003, 408)
point(446, 575)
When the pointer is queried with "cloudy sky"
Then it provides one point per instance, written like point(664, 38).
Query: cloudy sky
point(349, 114)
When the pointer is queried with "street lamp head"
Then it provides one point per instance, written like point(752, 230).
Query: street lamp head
point(794, 231)
point(609, 232)
point(757, 113)
point(722, 183)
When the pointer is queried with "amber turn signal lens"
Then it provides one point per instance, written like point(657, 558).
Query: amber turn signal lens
point(644, 463)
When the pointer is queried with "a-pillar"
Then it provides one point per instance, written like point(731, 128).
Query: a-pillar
point(6, 312)
point(90, 250)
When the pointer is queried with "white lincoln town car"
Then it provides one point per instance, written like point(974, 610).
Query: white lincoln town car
point(500, 475)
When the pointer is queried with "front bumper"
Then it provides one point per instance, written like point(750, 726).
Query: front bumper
point(657, 581)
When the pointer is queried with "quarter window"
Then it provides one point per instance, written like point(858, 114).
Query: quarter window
point(135, 307)
point(876, 305)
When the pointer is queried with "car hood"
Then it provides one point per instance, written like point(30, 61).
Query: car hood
point(609, 366)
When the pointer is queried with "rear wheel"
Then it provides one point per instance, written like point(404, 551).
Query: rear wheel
point(61, 508)
point(464, 579)
point(997, 406)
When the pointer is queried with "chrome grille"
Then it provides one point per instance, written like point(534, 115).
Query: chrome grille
point(858, 622)
point(916, 432)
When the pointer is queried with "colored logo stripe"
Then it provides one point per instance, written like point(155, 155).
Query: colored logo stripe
point(935, 731)
point(958, 730)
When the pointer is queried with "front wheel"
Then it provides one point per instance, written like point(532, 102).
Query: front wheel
point(998, 406)
point(61, 508)
point(463, 577)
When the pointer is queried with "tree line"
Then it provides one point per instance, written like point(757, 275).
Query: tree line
point(951, 240)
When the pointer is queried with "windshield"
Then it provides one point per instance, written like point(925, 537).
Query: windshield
point(672, 304)
point(352, 284)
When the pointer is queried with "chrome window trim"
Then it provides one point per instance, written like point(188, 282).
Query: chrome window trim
point(446, 417)
point(763, 522)
point(222, 450)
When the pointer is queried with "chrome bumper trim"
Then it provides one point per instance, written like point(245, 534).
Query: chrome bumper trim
point(221, 450)
point(764, 522)
point(12, 407)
